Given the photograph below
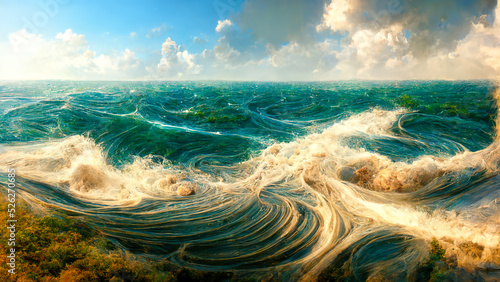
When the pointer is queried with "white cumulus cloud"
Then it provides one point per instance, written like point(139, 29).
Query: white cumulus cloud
point(222, 25)
point(175, 63)
point(67, 56)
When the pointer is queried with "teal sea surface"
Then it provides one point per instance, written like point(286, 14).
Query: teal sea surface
point(280, 180)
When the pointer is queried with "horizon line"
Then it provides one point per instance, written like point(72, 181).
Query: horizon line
point(234, 80)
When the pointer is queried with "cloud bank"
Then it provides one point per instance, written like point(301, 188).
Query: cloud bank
point(291, 40)
point(67, 56)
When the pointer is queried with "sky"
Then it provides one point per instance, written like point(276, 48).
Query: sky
point(267, 40)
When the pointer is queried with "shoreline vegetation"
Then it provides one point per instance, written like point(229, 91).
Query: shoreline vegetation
point(53, 247)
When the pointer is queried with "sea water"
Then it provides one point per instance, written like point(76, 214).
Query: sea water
point(265, 179)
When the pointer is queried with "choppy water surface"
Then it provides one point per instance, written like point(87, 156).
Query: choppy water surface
point(285, 178)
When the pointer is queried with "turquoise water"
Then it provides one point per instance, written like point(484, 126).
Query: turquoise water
point(287, 178)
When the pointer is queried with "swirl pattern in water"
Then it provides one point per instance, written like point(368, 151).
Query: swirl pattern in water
point(275, 181)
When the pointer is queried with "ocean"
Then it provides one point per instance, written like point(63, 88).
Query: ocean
point(267, 180)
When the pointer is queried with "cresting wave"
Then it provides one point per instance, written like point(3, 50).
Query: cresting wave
point(288, 212)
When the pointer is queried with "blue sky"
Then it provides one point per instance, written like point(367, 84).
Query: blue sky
point(249, 39)
point(112, 22)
